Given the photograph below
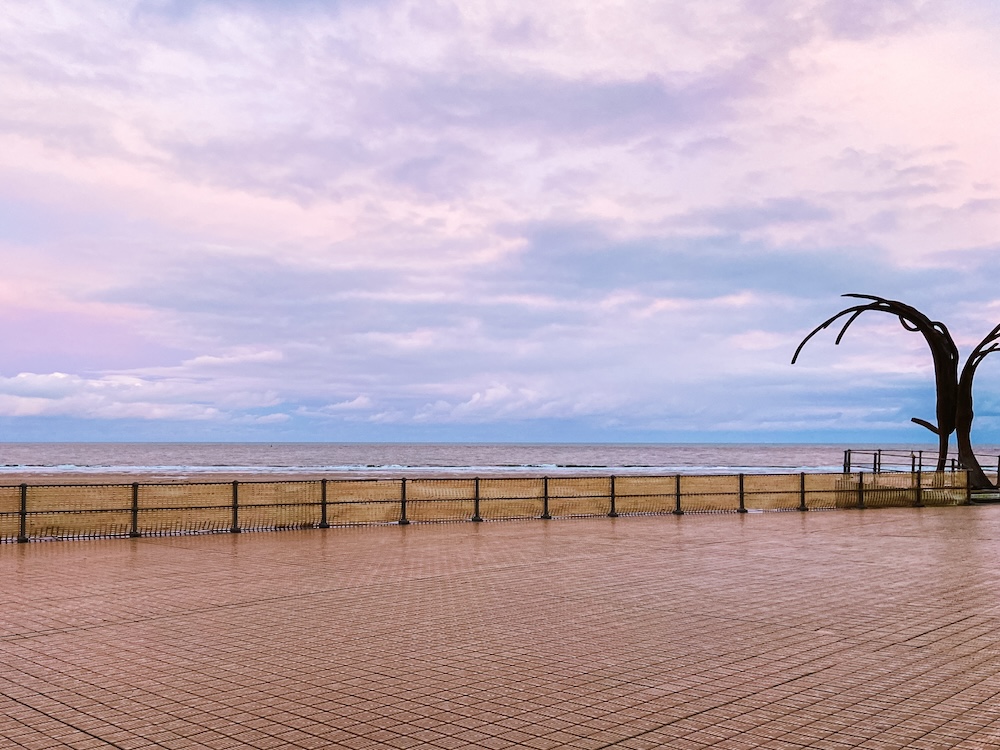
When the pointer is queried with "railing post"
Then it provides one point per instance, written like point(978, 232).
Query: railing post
point(919, 493)
point(847, 461)
point(968, 489)
point(920, 460)
point(876, 460)
point(677, 496)
point(743, 505)
point(475, 504)
point(861, 490)
point(545, 498)
point(22, 534)
point(613, 513)
point(802, 491)
point(403, 520)
point(323, 522)
point(134, 531)
point(235, 528)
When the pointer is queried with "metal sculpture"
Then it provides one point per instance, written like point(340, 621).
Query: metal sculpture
point(964, 413)
point(954, 395)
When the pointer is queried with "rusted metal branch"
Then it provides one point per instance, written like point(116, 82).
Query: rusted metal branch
point(943, 351)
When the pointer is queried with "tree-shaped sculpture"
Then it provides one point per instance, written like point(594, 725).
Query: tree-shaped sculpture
point(964, 413)
point(954, 394)
point(942, 347)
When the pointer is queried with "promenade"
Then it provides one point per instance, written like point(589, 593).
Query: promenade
point(872, 629)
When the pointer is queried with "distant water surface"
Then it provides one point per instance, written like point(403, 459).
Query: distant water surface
point(426, 458)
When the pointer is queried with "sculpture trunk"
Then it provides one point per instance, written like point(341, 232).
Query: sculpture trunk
point(945, 378)
point(942, 462)
point(964, 415)
point(977, 477)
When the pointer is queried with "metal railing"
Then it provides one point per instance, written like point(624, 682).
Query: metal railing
point(37, 512)
point(879, 460)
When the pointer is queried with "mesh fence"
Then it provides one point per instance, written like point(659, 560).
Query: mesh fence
point(279, 505)
point(590, 496)
point(944, 488)
point(636, 495)
point(774, 492)
point(440, 499)
point(902, 489)
point(10, 513)
point(184, 508)
point(822, 490)
point(77, 511)
point(711, 494)
point(509, 499)
point(68, 512)
point(363, 501)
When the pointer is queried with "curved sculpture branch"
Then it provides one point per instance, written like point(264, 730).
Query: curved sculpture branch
point(964, 413)
point(943, 351)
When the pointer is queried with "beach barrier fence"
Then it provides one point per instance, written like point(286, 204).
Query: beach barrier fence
point(60, 511)
point(888, 460)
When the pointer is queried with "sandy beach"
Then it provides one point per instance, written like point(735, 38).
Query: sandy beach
point(87, 477)
point(271, 475)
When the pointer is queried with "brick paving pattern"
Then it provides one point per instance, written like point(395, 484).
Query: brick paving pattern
point(870, 629)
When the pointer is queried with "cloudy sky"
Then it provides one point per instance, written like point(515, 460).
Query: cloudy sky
point(503, 220)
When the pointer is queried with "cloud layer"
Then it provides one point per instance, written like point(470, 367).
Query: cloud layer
point(227, 219)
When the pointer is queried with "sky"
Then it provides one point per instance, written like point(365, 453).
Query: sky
point(396, 220)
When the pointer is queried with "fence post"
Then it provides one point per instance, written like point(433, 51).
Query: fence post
point(22, 534)
point(323, 523)
point(847, 461)
point(861, 490)
point(877, 461)
point(743, 505)
point(545, 498)
point(475, 505)
point(802, 491)
point(134, 532)
point(613, 513)
point(403, 520)
point(235, 528)
point(919, 494)
point(677, 496)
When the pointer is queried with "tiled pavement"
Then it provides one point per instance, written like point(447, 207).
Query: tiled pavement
point(874, 629)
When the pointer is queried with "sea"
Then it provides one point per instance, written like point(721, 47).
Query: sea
point(471, 459)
